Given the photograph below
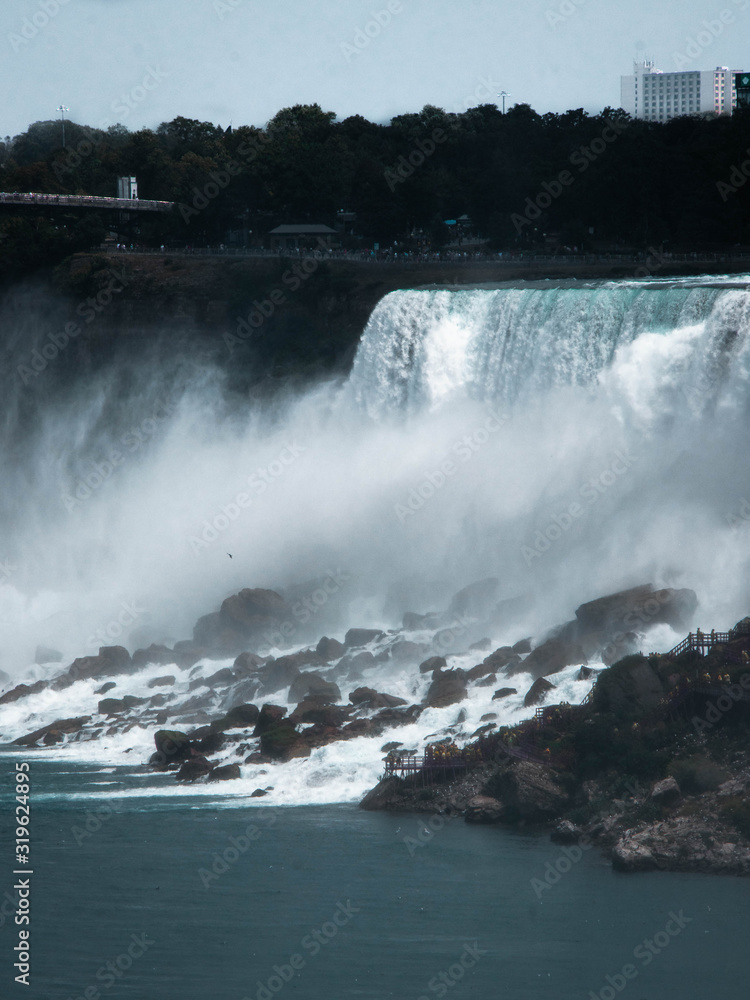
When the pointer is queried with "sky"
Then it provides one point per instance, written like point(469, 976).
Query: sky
point(142, 62)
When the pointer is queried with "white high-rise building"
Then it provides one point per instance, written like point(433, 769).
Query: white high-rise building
point(657, 97)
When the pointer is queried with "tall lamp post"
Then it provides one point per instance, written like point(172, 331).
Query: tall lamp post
point(503, 94)
point(62, 110)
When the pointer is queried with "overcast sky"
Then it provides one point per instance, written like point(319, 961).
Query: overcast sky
point(141, 62)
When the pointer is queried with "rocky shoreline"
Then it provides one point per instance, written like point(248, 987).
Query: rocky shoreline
point(652, 768)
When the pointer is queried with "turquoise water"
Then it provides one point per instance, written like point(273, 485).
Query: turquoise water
point(346, 904)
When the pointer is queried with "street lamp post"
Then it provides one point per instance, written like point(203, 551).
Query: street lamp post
point(62, 111)
point(503, 94)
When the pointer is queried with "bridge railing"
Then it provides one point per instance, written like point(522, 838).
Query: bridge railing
point(84, 201)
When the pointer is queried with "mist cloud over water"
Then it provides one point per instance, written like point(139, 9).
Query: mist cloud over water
point(568, 441)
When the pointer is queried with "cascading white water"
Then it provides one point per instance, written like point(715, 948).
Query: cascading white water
point(628, 399)
point(569, 441)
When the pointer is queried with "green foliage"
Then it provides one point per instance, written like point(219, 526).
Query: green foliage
point(697, 774)
point(736, 811)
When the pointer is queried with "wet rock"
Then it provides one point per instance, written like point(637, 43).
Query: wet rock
point(353, 663)
point(328, 716)
point(281, 741)
point(666, 792)
point(432, 664)
point(387, 747)
point(219, 679)
point(330, 649)
point(370, 698)
point(630, 687)
point(269, 716)
point(404, 651)
point(161, 655)
point(489, 715)
point(23, 691)
point(537, 692)
point(281, 673)
point(503, 693)
point(194, 768)
point(225, 772)
point(566, 832)
point(61, 726)
point(482, 646)
point(483, 730)
point(477, 600)
point(388, 717)
point(522, 646)
point(187, 653)
point(239, 717)
point(313, 684)
point(209, 742)
point(682, 843)
point(483, 809)
point(552, 656)
point(247, 664)
point(361, 637)
point(638, 607)
point(111, 660)
point(530, 792)
point(447, 688)
point(172, 744)
point(488, 681)
point(386, 794)
point(480, 670)
point(44, 654)
point(623, 644)
point(258, 793)
point(166, 681)
point(107, 687)
point(585, 674)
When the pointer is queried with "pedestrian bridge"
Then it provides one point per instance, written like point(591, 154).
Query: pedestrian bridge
point(83, 201)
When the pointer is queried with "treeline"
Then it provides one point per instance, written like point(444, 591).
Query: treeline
point(523, 178)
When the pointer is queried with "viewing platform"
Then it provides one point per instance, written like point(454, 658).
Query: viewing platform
point(33, 199)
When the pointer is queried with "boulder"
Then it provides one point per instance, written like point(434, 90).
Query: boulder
point(172, 744)
point(537, 692)
point(252, 610)
point(488, 681)
point(282, 741)
point(551, 656)
point(447, 688)
point(479, 671)
point(161, 655)
point(247, 664)
point(111, 660)
point(522, 646)
point(356, 637)
point(530, 792)
point(666, 792)
point(225, 772)
point(482, 646)
point(475, 601)
point(629, 688)
point(566, 832)
point(638, 608)
point(330, 649)
point(354, 663)
point(432, 664)
point(280, 673)
point(483, 809)
point(61, 727)
point(621, 645)
point(187, 653)
point(269, 716)
point(370, 698)
point(586, 673)
point(501, 658)
point(206, 741)
point(503, 693)
point(23, 691)
point(107, 687)
point(258, 793)
point(166, 681)
point(239, 717)
point(194, 768)
point(46, 655)
point(404, 651)
point(313, 684)
point(329, 716)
